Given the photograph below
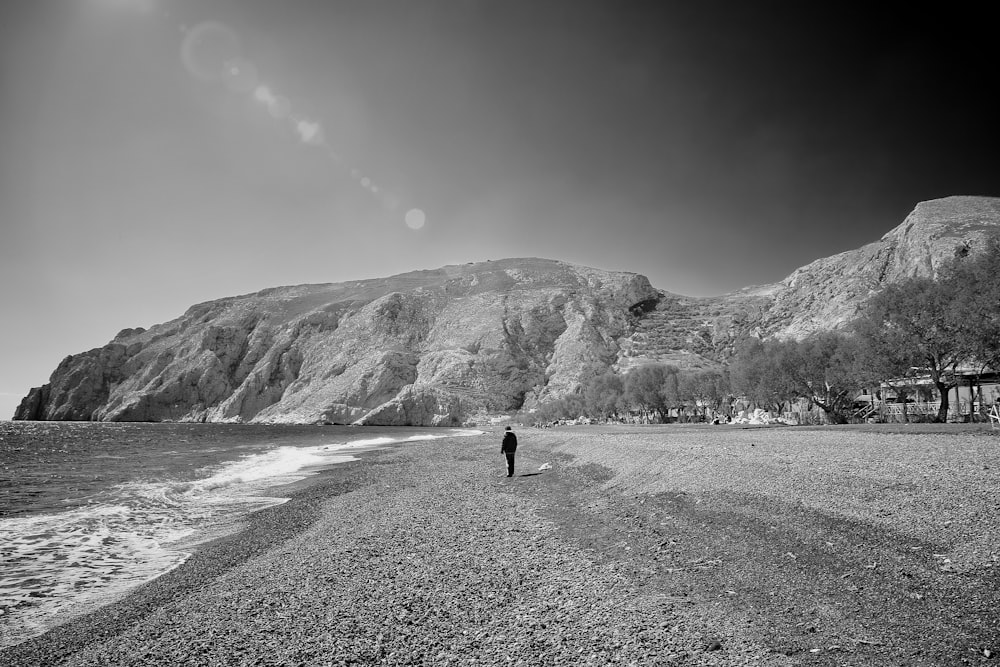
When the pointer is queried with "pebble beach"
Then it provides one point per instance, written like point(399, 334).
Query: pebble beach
point(674, 545)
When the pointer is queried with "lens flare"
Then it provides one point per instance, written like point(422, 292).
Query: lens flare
point(280, 107)
point(277, 105)
point(309, 131)
point(415, 218)
point(207, 48)
point(263, 94)
point(240, 75)
point(210, 52)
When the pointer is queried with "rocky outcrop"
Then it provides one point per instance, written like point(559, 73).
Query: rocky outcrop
point(825, 294)
point(829, 292)
point(427, 348)
point(433, 347)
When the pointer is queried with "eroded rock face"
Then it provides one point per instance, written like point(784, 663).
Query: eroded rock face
point(700, 332)
point(829, 292)
point(432, 347)
point(424, 348)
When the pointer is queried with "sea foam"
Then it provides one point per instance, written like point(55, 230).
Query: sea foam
point(57, 566)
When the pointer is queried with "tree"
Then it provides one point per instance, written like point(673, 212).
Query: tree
point(754, 373)
point(912, 329)
point(603, 394)
point(670, 390)
point(708, 388)
point(975, 289)
point(819, 368)
point(975, 292)
point(651, 388)
point(884, 357)
point(822, 369)
point(573, 406)
point(569, 406)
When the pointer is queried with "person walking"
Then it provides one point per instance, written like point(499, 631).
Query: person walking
point(507, 447)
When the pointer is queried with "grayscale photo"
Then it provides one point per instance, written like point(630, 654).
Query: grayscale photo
point(499, 332)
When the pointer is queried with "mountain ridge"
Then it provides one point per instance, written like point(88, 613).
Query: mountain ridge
point(434, 346)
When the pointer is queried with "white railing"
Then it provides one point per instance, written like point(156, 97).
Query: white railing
point(957, 411)
point(922, 408)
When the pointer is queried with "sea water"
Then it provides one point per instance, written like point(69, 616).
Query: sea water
point(89, 511)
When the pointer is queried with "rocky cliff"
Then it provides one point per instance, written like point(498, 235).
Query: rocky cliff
point(427, 348)
point(434, 347)
point(829, 292)
point(825, 294)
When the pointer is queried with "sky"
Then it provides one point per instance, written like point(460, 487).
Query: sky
point(155, 154)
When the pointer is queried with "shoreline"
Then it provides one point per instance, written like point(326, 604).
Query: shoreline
point(154, 525)
point(649, 546)
point(208, 558)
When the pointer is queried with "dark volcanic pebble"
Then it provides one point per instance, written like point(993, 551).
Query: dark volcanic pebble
point(428, 554)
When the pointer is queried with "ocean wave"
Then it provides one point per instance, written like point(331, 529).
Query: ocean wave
point(62, 564)
point(66, 564)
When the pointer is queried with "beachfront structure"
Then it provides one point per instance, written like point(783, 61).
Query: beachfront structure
point(974, 393)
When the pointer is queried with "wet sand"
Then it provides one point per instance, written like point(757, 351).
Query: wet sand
point(689, 545)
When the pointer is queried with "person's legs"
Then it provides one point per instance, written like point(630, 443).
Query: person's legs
point(510, 463)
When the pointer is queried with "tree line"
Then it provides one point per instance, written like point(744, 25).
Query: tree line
point(917, 329)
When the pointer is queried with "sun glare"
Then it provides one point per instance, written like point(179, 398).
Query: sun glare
point(240, 75)
point(280, 107)
point(309, 132)
point(415, 218)
point(264, 94)
point(211, 52)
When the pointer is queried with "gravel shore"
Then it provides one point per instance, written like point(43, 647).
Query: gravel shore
point(677, 545)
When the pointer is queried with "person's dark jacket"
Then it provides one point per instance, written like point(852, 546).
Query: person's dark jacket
point(509, 442)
